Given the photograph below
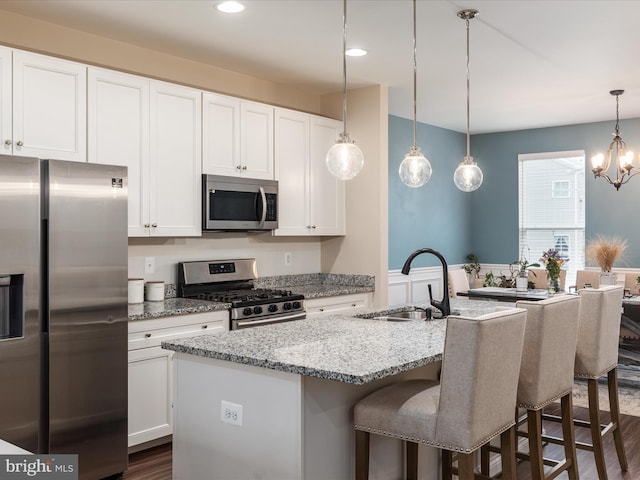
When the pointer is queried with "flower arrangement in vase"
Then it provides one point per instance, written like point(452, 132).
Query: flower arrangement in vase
point(605, 252)
point(553, 263)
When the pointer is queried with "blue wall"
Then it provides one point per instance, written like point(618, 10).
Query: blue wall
point(485, 222)
point(494, 208)
point(436, 215)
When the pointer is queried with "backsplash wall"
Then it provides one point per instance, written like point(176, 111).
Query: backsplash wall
point(268, 251)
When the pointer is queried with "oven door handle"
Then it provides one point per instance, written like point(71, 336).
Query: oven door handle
point(250, 323)
point(263, 196)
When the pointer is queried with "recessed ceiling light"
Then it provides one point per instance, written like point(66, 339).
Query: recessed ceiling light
point(356, 52)
point(230, 7)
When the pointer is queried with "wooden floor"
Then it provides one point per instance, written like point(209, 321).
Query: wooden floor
point(155, 463)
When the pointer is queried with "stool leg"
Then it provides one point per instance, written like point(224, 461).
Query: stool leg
point(362, 455)
point(466, 466)
point(568, 435)
point(508, 454)
point(534, 432)
point(614, 406)
point(596, 435)
point(447, 465)
point(485, 457)
point(412, 460)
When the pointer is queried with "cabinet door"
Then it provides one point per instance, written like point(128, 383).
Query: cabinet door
point(6, 113)
point(150, 394)
point(118, 125)
point(176, 160)
point(220, 135)
point(292, 171)
point(256, 135)
point(49, 107)
point(327, 201)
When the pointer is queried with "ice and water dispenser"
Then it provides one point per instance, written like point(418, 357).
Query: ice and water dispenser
point(11, 306)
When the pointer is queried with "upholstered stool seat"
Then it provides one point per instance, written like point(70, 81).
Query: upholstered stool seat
point(596, 356)
point(546, 375)
point(473, 403)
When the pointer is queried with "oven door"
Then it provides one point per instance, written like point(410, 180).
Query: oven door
point(258, 322)
point(239, 204)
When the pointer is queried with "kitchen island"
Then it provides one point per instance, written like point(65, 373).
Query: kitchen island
point(276, 402)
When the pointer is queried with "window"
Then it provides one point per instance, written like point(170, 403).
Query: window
point(560, 189)
point(551, 206)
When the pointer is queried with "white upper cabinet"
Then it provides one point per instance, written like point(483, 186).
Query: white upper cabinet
point(6, 113)
point(153, 128)
point(237, 137)
point(49, 108)
point(310, 199)
point(176, 160)
point(118, 126)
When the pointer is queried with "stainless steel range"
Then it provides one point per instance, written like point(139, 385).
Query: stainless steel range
point(232, 281)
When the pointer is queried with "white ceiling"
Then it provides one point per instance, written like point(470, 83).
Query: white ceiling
point(533, 63)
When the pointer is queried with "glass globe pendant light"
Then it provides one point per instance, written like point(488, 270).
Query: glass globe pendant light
point(415, 169)
point(468, 176)
point(344, 159)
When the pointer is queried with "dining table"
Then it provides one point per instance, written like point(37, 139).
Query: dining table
point(506, 294)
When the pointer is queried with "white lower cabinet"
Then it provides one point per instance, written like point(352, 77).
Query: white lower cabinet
point(151, 367)
point(341, 304)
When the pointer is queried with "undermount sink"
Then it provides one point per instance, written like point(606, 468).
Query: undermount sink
point(413, 315)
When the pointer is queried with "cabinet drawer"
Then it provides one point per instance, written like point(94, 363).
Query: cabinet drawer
point(338, 304)
point(150, 333)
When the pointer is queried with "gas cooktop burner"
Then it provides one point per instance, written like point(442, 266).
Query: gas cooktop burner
point(232, 281)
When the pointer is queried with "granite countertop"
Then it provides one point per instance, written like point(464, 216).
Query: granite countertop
point(318, 285)
point(171, 307)
point(338, 347)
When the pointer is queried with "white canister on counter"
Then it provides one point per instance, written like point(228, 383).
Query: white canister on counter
point(136, 290)
point(154, 291)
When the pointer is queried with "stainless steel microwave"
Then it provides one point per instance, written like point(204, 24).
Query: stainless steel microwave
point(231, 203)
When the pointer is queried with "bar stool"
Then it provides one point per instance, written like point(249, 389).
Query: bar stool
point(546, 374)
point(597, 355)
point(472, 404)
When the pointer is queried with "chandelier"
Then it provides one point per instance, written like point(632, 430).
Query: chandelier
point(624, 158)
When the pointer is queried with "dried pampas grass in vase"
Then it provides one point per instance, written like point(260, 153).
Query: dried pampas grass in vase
point(605, 251)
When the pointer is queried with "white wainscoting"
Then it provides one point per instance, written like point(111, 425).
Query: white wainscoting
point(412, 288)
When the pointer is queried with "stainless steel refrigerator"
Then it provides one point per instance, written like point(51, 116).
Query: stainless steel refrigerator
point(63, 310)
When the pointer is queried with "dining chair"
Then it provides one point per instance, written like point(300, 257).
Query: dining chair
point(472, 404)
point(458, 282)
point(538, 276)
point(630, 282)
point(546, 375)
point(597, 355)
point(586, 278)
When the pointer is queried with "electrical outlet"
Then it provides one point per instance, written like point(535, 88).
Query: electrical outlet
point(149, 264)
point(288, 260)
point(231, 413)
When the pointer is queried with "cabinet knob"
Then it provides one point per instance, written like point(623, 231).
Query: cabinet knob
point(353, 305)
point(244, 167)
point(313, 226)
point(8, 142)
point(19, 143)
point(204, 326)
point(146, 225)
point(321, 309)
point(154, 225)
point(147, 335)
point(238, 167)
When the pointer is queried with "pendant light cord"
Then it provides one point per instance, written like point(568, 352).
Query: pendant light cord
point(468, 82)
point(617, 115)
point(415, 76)
point(344, 67)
